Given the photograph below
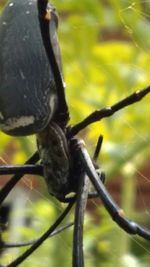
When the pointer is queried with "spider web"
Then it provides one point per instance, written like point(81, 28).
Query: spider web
point(121, 132)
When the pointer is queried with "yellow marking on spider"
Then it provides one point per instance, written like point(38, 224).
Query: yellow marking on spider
point(121, 213)
point(48, 15)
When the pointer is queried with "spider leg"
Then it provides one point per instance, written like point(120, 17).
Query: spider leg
point(12, 182)
point(31, 242)
point(95, 157)
point(102, 174)
point(44, 20)
point(21, 169)
point(29, 251)
point(98, 148)
point(81, 201)
point(113, 209)
point(108, 111)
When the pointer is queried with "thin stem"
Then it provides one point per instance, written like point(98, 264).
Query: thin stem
point(108, 111)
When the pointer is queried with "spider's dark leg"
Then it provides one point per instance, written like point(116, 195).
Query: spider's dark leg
point(12, 182)
point(29, 251)
point(113, 209)
point(108, 111)
point(102, 174)
point(45, 17)
point(96, 155)
point(5, 245)
point(98, 148)
point(81, 200)
point(21, 169)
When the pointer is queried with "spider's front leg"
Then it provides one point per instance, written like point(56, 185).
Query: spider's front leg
point(77, 168)
point(81, 201)
point(34, 169)
point(82, 194)
point(19, 173)
point(109, 111)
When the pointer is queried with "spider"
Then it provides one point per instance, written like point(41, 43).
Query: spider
point(42, 110)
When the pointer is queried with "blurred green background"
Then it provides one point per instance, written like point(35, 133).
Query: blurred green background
point(105, 49)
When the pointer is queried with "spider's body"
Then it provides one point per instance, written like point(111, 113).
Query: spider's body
point(27, 79)
point(31, 78)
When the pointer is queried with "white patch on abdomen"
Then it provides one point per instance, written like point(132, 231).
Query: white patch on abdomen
point(1, 116)
point(52, 104)
point(14, 123)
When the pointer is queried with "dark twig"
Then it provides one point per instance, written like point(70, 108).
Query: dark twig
point(31, 242)
point(15, 179)
point(29, 251)
point(116, 213)
point(108, 111)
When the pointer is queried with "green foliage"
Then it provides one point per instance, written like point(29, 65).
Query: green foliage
point(106, 52)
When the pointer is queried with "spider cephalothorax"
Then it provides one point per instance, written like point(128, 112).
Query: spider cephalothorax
point(59, 157)
point(55, 156)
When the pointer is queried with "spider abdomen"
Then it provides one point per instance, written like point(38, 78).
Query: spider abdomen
point(28, 94)
point(55, 157)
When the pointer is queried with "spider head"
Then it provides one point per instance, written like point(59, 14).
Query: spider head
point(61, 164)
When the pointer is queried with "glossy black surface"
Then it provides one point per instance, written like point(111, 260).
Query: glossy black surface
point(28, 97)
